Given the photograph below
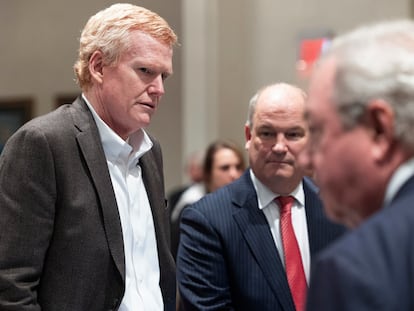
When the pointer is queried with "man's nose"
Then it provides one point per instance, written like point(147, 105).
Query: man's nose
point(280, 144)
point(157, 86)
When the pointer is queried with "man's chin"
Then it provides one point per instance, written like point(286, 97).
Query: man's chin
point(281, 167)
point(144, 120)
point(282, 171)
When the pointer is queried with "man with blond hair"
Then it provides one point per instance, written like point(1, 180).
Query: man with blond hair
point(84, 223)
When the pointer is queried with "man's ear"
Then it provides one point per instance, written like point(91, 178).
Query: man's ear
point(381, 118)
point(96, 65)
point(247, 135)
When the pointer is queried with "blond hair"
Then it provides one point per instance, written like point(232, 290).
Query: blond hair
point(108, 31)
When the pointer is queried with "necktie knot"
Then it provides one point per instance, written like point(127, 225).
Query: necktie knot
point(285, 203)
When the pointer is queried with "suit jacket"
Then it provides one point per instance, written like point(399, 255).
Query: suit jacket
point(227, 258)
point(372, 267)
point(61, 245)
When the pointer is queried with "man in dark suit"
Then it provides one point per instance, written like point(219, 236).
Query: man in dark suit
point(231, 254)
point(360, 109)
point(84, 223)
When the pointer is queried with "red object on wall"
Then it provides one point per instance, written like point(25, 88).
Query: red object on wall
point(309, 51)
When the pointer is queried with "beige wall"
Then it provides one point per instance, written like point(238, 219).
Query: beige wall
point(229, 48)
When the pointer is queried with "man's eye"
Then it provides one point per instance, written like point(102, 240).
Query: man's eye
point(294, 135)
point(265, 134)
point(145, 70)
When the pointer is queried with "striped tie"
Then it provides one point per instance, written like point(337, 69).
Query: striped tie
point(293, 260)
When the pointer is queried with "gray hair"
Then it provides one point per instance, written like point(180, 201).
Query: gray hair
point(376, 62)
point(252, 109)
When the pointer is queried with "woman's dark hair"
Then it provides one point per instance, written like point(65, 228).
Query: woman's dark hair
point(211, 152)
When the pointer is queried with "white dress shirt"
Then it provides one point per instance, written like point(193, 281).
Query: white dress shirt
point(271, 210)
point(142, 274)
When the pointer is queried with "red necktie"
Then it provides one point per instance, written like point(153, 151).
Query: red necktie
point(293, 260)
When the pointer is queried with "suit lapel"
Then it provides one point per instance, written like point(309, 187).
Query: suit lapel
point(255, 230)
point(313, 209)
point(151, 165)
point(154, 186)
point(91, 148)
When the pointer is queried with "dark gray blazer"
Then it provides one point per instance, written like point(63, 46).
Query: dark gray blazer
point(61, 245)
point(227, 258)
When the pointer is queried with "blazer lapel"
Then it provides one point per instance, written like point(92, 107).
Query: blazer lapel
point(255, 229)
point(154, 185)
point(313, 217)
point(91, 148)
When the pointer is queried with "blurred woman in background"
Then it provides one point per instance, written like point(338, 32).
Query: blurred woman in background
point(223, 163)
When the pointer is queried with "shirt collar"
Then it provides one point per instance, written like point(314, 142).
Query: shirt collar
point(265, 196)
point(137, 144)
point(400, 176)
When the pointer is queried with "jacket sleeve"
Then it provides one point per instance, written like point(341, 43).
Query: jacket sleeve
point(27, 200)
point(201, 269)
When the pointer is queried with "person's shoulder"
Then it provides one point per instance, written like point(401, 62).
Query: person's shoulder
point(393, 223)
point(381, 236)
point(394, 220)
point(238, 190)
point(50, 124)
point(223, 201)
point(214, 199)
